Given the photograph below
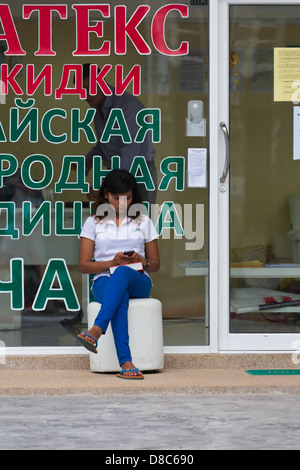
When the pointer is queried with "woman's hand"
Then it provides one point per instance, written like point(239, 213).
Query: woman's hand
point(120, 259)
point(135, 258)
point(151, 262)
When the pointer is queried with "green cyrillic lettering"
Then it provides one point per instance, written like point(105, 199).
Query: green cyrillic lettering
point(178, 173)
point(154, 126)
point(56, 270)
point(116, 116)
point(10, 170)
point(139, 164)
point(15, 285)
point(60, 229)
point(84, 125)
point(10, 230)
point(26, 171)
point(43, 213)
point(2, 133)
point(99, 173)
point(46, 126)
point(78, 162)
point(30, 120)
point(169, 211)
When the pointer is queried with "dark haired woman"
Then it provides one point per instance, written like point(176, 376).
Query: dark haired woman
point(119, 226)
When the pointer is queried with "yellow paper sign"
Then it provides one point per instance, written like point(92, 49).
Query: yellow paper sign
point(287, 74)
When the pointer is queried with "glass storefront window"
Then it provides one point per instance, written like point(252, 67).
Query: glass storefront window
point(264, 192)
point(47, 129)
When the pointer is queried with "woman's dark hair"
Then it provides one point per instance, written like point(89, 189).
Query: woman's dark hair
point(118, 182)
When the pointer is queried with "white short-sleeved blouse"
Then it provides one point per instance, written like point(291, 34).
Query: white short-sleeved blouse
point(132, 234)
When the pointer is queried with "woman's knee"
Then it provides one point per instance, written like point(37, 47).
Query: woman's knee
point(98, 288)
point(122, 270)
point(122, 273)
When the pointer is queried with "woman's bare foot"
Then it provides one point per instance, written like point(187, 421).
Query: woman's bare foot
point(95, 332)
point(130, 373)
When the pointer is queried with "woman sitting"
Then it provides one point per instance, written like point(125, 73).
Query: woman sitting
point(117, 236)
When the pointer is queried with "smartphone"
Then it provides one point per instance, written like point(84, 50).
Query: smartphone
point(128, 253)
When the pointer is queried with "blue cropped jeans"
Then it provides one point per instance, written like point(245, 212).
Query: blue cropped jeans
point(114, 293)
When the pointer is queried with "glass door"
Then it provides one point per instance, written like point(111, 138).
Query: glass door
point(259, 196)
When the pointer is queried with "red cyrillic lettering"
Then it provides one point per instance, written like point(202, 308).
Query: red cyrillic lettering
point(10, 78)
point(134, 76)
point(45, 75)
point(10, 34)
point(123, 29)
point(98, 79)
point(63, 87)
point(45, 24)
point(83, 29)
point(158, 30)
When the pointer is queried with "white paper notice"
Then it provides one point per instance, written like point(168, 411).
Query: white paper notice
point(197, 174)
point(296, 143)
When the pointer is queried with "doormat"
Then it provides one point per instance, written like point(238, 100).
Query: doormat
point(274, 372)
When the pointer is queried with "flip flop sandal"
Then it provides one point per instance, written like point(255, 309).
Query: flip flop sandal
point(88, 344)
point(130, 377)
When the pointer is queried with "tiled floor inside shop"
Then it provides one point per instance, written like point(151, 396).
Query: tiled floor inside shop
point(40, 329)
point(44, 329)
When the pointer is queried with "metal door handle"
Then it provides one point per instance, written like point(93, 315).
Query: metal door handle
point(227, 159)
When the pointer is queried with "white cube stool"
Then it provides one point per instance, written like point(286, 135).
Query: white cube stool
point(145, 337)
